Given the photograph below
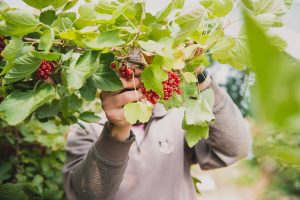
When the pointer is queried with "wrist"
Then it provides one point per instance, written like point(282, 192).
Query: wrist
point(121, 133)
point(205, 84)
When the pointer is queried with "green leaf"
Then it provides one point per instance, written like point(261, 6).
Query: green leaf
point(105, 40)
point(70, 4)
point(198, 112)
point(268, 12)
point(105, 78)
point(189, 23)
point(106, 7)
point(137, 112)
point(89, 117)
point(238, 56)
point(58, 3)
point(5, 168)
point(63, 24)
point(48, 111)
point(13, 49)
point(48, 17)
point(276, 7)
point(222, 47)
point(47, 40)
point(70, 104)
point(248, 3)
point(188, 17)
point(39, 4)
point(176, 101)
point(153, 76)
point(88, 91)
point(23, 67)
point(11, 191)
point(194, 133)
point(73, 35)
point(218, 8)
point(47, 55)
point(153, 46)
point(19, 22)
point(165, 12)
point(209, 96)
point(11, 52)
point(189, 77)
point(276, 91)
point(178, 4)
point(19, 105)
point(188, 90)
point(80, 69)
point(87, 16)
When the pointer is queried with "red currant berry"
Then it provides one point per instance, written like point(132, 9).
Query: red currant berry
point(113, 65)
point(45, 69)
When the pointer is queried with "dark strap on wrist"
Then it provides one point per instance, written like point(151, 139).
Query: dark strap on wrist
point(202, 76)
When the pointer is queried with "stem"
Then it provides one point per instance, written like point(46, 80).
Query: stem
point(32, 40)
point(130, 22)
point(140, 26)
point(136, 95)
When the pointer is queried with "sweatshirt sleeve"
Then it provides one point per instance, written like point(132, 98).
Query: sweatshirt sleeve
point(229, 136)
point(95, 166)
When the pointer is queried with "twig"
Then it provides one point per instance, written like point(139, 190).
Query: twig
point(140, 26)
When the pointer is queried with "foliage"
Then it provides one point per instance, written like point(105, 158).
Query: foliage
point(83, 44)
point(31, 158)
point(276, 108)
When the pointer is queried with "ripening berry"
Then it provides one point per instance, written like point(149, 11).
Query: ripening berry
point(113, 65)
point(2, 46)
point(45, 69)
point(126, 72)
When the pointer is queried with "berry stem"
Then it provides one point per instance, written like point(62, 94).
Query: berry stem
point(136, 95)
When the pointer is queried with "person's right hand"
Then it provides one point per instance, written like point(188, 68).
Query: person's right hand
point(113, 103)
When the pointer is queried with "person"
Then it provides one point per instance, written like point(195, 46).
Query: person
point(115, 160)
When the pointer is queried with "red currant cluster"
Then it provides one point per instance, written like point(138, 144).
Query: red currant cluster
point(2, 45)
point(169, 86)
point(45, 69)
point(151, 96)
point(126, 72)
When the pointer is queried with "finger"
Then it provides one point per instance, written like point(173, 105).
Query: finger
point(127, 85)
point(126, 97)
point(106, 94)
point(131, 84)
point(137, 72)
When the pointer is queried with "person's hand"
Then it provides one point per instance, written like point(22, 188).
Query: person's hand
point(113, 103)
point(206, 84)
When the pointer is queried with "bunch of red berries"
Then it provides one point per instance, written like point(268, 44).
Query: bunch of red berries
point(169, 86)
point(2, 45)
point(45, 69)
point(151, 96)
point(126, 72)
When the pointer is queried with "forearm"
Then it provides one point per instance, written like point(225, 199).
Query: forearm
point(229, 137)
point(100, 173)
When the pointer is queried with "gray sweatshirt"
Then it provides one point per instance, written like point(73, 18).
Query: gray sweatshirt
point(100, 167)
